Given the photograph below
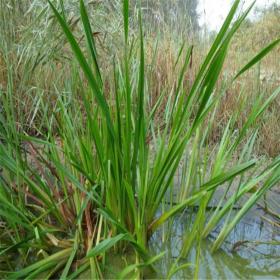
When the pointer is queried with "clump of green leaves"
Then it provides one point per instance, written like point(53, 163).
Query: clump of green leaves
point(100, 181)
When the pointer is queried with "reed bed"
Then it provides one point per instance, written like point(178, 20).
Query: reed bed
point(90, 159)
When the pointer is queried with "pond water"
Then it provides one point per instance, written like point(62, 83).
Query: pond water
point(252, 251)
point(247, 253)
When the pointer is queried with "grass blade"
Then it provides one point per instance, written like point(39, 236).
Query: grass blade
point(258, 57)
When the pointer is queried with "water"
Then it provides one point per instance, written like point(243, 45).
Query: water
point(247, 253)
point(251, 251)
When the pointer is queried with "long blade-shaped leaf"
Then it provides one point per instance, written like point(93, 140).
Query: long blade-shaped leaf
point(218, 180)
point(258, 57)
point(90, 38)
point(140, 125)
point(86, 69)
point(228, 227)
point(105, 245)
point(126, 18)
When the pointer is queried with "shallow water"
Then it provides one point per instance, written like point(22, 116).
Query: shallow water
point(242, 256)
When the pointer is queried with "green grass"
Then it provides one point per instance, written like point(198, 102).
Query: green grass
point(101, 171)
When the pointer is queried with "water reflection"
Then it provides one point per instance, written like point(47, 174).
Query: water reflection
point(247, 252)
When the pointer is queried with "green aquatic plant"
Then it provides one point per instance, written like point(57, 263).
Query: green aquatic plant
point(100, 180)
